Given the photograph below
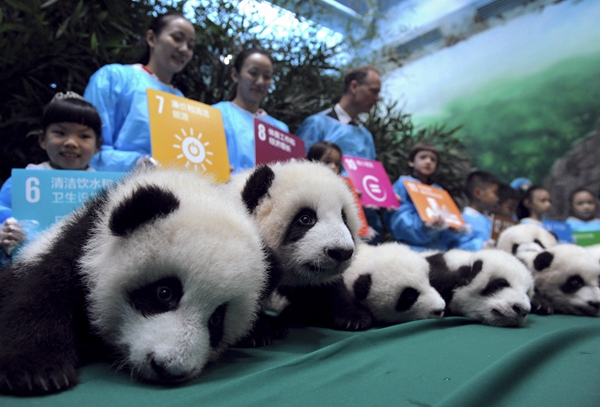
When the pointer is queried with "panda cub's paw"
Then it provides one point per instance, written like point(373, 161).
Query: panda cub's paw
point(38, 374)
point(541, 306)
point(265, 331)
point(353, 318)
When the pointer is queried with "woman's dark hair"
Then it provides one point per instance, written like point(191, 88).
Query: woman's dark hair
point(417, 148)
point(522, 211)
point(157, 24)
point(320, 148)
point(73, 110)
point(239, 60)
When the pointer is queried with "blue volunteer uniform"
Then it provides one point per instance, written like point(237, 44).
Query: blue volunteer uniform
point(119, 93)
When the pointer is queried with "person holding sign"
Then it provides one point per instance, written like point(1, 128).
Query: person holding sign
point(405, 223)
point(534, 205)
point(119, 92)
point(252, 73)
point(70, 134)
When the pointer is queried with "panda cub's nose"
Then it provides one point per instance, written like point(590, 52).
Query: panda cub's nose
point(340, 255)
point(520, 311)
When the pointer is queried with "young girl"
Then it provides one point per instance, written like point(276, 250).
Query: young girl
point(582, 208)
point(252, 73)
point(328, 153)
point(119, 92)
point(70, 134)
point(534, 205)
point(405, 223)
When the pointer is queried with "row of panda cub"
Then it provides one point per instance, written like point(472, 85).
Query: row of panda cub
point(167, 270)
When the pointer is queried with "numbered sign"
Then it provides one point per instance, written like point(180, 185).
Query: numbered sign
point(187, 134)
point(364, 225)
point(561, 230)
point(273, 144)
point(370, 178)
point(499, 224)
point(434, 202)
point(47, 196)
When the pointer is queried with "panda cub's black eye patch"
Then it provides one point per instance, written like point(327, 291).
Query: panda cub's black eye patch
point(494, 286)
point(572, 285)
point(407, 299)
point(302, 222)
point(158, 297)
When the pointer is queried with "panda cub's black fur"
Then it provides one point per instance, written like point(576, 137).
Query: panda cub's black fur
point(165, 270)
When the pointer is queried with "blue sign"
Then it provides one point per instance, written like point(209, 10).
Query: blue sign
point(41, 197)
point(561, 229)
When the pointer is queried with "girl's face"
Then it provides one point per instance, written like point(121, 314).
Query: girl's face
point(584, 205)
point(539, 204)
point(173, 48)
point(333, 159)
point(424, 164)
point(70, 146)
point(254, 79)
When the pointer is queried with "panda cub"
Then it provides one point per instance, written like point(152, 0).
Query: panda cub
point(166, 269)
point(566, 280)
point(392, 280)
point(525, 237)
point(490, 286)
point(307, 217)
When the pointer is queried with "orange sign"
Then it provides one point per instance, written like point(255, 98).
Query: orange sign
point(434, 202)
point(364, 226)
point(188, 134)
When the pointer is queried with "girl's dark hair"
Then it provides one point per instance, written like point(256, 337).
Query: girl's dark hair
point(239, 60)
point(522, 211)
point(157, 24)
point(320, 148)
point(417, 148)
point(73, 110)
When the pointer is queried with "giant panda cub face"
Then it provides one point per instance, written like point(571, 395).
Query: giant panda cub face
point(567, 276)
point(492, 287)
point(175, 271)
point(393, 282)
point(306, 214)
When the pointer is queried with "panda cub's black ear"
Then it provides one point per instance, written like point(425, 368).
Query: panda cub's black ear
point(145, 205)
point(257, 186)
point(466, 274)
point(362, 286)
point(543, 261)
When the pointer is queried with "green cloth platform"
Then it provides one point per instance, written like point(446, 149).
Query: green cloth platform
point(551, 361)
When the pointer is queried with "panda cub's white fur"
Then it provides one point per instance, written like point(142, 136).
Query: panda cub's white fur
point(171, 272)
point(525, 237)
point(490, 286)
point(566, 280)
point(392, 280)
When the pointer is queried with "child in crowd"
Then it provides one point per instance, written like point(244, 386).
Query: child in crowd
point(71, 129)
point(328, 153)
point(534, 205)
point(482, 191)
point(405, 223)
point(508, 200)
point(582, 208)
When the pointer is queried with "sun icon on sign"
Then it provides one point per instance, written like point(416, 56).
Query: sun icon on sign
point(193, 150)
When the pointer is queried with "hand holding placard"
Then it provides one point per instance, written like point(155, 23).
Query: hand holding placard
point(433, 204)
